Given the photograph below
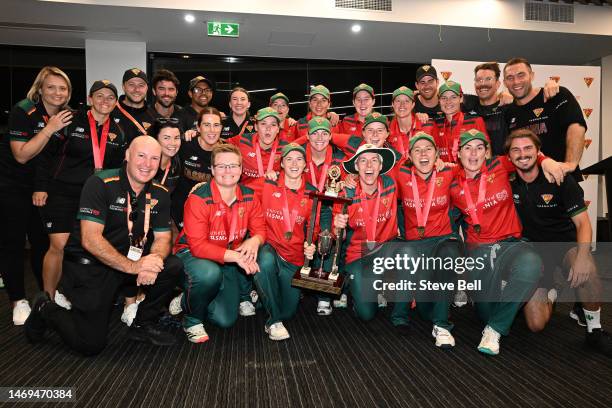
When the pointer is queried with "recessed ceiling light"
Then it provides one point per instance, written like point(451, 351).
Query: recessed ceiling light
point(186, 56)
point(356, 28)
point(189, 18)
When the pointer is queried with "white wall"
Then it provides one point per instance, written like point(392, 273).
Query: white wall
point(504, 14)
point(606, 123)
point(110, 59)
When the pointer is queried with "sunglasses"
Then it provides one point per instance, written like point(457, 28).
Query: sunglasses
point(163, 121)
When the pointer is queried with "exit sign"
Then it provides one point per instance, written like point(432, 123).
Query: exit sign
point(220, 29)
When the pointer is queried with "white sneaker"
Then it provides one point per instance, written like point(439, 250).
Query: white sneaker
point(277, 331)
point(341, 303)
point(382, 301)
point(324, 308)
point(489, 344)
point(552, 295)
point(247, 308)
point(129, 313)
point(175, 307)
point(62, 301)
point(443, 337)
point(21, 311)
point(196, 334)
point(461, 298)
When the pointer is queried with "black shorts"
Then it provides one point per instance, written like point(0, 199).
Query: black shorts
point(59, 214)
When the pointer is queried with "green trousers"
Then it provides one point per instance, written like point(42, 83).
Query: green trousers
point(273, 283)
point(513, 261)
point(212, 291)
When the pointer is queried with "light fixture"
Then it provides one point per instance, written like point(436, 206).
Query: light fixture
point(190, 18)
point(356, 28)
point(186, 56)
point(231, 59)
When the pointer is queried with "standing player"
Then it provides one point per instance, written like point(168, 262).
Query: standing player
point(131, 111)
point(165, 89)
point(558, 121)
point(363, 101)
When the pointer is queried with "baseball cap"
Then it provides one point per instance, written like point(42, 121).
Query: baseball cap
point(426, 70)
point(472, 134)
point(100, 84)
point(134, 73)
point(198, 79)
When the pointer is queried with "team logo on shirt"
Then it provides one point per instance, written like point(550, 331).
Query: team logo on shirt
point(146, 125)
point(588, 81)
point(587, 112)
point(302, 202)
point(385, 201)
point(154, 202)
point(538, 112)
point(446, 75)
point(439, 181)
point(547, 198)
point(112, 136)
point(240, 212)
point(490, 178)
point(587, 143)
point(250, 128)
point(555, 78)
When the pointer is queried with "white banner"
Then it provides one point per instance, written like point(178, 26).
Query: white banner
point(583, 82)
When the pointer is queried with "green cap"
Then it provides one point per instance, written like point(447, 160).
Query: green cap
point(454, 87)
point(266, 112)
point(319, 90)
point(421, 136)
point(403, 90)
point(291, 147)
point(363, 87)
point(472, 134)
point(278, 95)
point(318, 123)
point(376, 117)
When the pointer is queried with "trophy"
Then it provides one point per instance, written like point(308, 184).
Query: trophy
point(328, 281)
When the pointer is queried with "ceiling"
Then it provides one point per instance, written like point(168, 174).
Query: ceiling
point(29, 22)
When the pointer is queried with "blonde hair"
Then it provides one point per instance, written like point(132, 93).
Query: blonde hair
point(224, 148)
point(35, 89)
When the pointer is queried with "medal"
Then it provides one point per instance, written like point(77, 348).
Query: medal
point(288, 235)
point(421, 232)
point(477, 228)
point(472, 209)
point(371, 217)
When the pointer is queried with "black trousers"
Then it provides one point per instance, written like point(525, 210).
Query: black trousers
point(92, 290)
point(19, 219)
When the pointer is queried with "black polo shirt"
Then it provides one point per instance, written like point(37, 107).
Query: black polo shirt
point(495, 122)
point(140, 115)
point(231, 128)
point(66, 164)
point(177, 113)
point(189, 118)
point(25, 121)
point(549, 120)
point(173, 176)
point(546, 209)
point(104, 200)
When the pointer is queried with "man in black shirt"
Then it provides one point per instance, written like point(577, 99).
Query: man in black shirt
point(558, 121)
point(426, 84)
point(556, 213)
point(165, 89)
point(131, 112)
point(201, 91)
point(123, 237)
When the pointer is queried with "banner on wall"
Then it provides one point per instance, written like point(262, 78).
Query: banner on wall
point(583, 82)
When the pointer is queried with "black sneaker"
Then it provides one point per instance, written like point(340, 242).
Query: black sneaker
point(35, 325)
point(578, 314)
point(149, 333)
point(599, 340)
point(404, 329)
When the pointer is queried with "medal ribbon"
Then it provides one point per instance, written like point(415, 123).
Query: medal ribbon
point(270, 167)
point(290, 219)
point(371, 220)
point(311, 166)
point(98, 146)
point(482, 188)
point(422, 214)
point(455, 148)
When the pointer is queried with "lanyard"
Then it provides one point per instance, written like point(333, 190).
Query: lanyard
point(147, 219)
point(131, 118)
point(371, 218)
point(98, 146)
point(473, 209)
point(455, 148)
point(163, 180)
point(422, 214)
point(244, 125)
point(270, 167)
point(231, 226)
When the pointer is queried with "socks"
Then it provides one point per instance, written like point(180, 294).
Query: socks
point(592, 319)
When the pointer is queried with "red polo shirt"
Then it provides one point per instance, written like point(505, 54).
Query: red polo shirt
point(208, 221)
point(400, 141)
point(446, 134)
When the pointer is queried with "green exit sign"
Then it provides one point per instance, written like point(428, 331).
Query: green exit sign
point(220, 29)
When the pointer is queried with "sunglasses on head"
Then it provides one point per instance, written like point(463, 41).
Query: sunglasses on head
point(163, 121)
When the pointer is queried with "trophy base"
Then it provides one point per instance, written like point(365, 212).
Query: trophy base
point(319, 284)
